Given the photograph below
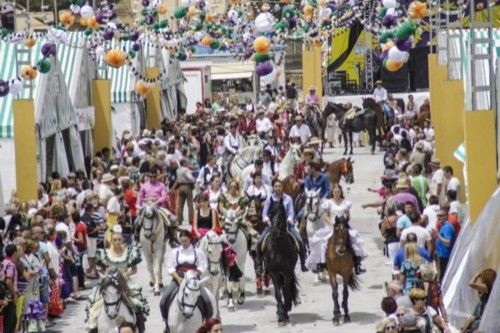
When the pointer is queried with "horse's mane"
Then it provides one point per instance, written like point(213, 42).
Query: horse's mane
point(287, 165)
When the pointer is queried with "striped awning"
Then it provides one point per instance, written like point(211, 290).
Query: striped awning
point(69, 56)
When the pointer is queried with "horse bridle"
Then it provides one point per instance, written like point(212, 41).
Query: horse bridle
point(310, 207)
point(235, 232)
point(344, 169)
point(117, 304)
point(181, 304)
point(210, 262)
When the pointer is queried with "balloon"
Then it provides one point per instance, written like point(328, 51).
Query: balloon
point(390, 3)
point(385, 36)
point(261, 57)
point(75, 9)
point(16, 86)
point(192, 11)
point(417, 10)
point(108, 34)
point(387, 46)
point(99, 51)
point(142, 88)
point(198, 35)
point(49, 49)
point(136, 47)
point(162, 9)
point(28, 72)
point(207, 41)
point(43, 65)
point(92, 23)
point(264, 68)
point(392, 66)
point(261, 45)
point(391, 11)
point(396, 55)
point(264, 22)
point(405, 44)
point(232, 14)
point(29, 42)
point(66, 18)
point(406, 29)
point(308, 10)
point(86, 11)
point(180, 12)
point(389, 20)
point(4, 88)
point(115, 58)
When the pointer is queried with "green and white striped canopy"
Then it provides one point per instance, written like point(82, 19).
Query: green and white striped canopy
point(69, 56)
point(460, 154)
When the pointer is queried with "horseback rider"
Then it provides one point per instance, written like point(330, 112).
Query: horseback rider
point(300, 130)
point(182, 259)
point(263, 124)
point(258, 166)
point(270, 167)
point(155, 192)
point(379, 93)
point(233, 143)
point(275, 199)
point(312, 100)
point(206, 173)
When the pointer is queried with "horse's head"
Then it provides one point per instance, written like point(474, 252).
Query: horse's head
point(295, 153)
point(112, 287)
point(188, 294)
point(214, 251)
point(341, 234)
point(253, 141)
point(254, 206)
point(369, 103)
point(232, 222)
point(149, 215)
point(337, 109)
point(278, 216)
point(313, 203)
point(347, 171)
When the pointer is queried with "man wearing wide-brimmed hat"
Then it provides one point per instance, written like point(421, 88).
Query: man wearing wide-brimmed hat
point(262, 123)
point(437, 183)
point(312, 99)
point(105, 191)
point(246, 125)
point(300, 130)
point(379, 93)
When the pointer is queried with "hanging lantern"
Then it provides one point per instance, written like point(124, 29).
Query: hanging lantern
point(115, 58)
point(142, 88)
point(261, 45)
point(66, 18)
point(28, 72)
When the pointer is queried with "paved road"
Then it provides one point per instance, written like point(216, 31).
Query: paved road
point(316, 310)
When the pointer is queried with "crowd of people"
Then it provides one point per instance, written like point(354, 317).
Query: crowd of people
point(85, 222)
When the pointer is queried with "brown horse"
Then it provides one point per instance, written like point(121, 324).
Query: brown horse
point(340, 168)
point(340, 260)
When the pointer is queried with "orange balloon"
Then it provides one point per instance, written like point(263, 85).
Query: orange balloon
point(92, 23)
point(207, 40)
point(387, 46)
point(28, 72)
point(261, 45)
point(142, 88)
point(417, 10)
point(29, 42)
point(115, 58)
point(308, 10)
point(393, 66)
point(83, 21)
point(192, 11)
point(66, 18)
point(162, 9)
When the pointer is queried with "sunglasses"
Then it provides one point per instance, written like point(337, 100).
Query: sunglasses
point(421, 299)
point(389, 328)
point(400, 314)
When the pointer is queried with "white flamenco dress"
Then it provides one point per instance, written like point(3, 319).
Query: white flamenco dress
point(319, 241)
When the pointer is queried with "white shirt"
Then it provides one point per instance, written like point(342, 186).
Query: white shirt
point(233, 143)
point(104, 193)
point(266, 180)
point(430, 212)
point(303, 132)
point(437, 178)
point(267, 171)
point(422, 234)
point(456, 208)
point(191, 255)
point(263, 191)
point(380, 94)
point(263, 125)
point(429, 134)
point(453, 184)
point(113, 205)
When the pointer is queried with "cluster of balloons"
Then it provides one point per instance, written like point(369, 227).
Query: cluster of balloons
point(396, 37)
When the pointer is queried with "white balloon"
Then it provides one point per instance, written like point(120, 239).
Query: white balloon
point(390, 3)
point(16, 87)
point(112, 25)
point(75, 9)
point(99, 51)
point(198, 35)
point(391, 11)
point(397, 55)
point(327, 12)
point(232, 14)
point(186, 3)
point(86, 11)
point(264, 22)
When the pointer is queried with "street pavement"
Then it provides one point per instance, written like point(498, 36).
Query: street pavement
point(315, 312)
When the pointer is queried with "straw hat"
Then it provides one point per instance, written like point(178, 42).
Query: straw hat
point(107, 177)
point(314, 141)
point(299, 116)
point(312, 88)
point(309, 151)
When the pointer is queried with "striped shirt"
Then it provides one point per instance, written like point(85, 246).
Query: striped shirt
point(10, 271)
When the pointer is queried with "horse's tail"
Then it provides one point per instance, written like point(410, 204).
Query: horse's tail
point(353, 282)
point(291, 289)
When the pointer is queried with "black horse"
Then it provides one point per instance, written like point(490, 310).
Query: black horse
point(280, 258)
point(363, 120)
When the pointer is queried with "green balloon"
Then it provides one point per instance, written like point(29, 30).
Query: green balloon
point(385, 36)
point(180, 12)
point(43, 65)
point(131, 54)
point(202, 16)
point(407, 29)
point(215, 45)
point(163, 24)
point(281, 25)
point(156, 26)
point(144, 11)
point(261, 57)
point(198, 26)
point(87, 32)
point(382, 13)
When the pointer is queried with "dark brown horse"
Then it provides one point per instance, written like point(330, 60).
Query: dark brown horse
point(340, 168)
point(340, 260)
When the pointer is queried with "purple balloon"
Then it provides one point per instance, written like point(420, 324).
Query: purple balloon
point(134, 35)
point(4, 88)
point(383, 55)
point(292, 22)
point(49, 49)
point(404, 45)
point(264, 68)
point(145, 3)
point(136, 47)
point(100, 17)
point(108, 34)
point(389, 21)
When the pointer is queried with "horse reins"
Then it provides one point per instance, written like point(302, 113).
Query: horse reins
point(182, 304)
point(117, 303)
point(211, 261)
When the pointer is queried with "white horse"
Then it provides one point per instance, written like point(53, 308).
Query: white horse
point(245, 157)
point(238, 240)
point(110, 303)
point(153, 243)
point(289, 162)
point(211, 245)
point(184, 316)
point(316, 229)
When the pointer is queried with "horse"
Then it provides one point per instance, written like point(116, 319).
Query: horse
point(184, 315)
point(254, 218)
point(280, 258)
point(340, 168)
point(289, 162)
point(239, 241)
point(365, 120)
point(112, 296)
point(370, 104)
point(153, 243)
point(315, 222)
point(241, 160)
point(212, 246)
point(314, 120)
point(340, 260)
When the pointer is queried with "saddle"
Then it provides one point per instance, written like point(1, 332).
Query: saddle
point(353, 113)
point(263, 245)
